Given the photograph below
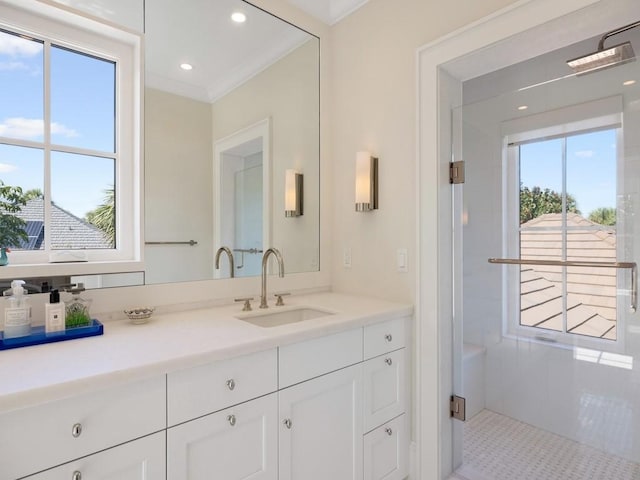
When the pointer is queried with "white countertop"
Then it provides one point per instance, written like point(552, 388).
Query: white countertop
point(169, 342)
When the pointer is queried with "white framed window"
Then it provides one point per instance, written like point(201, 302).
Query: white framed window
point(562, 181)
point(70, 107)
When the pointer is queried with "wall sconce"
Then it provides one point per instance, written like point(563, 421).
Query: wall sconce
point(293, 193)
point(366, 182)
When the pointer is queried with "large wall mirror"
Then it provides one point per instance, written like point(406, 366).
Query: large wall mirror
point(220, 136)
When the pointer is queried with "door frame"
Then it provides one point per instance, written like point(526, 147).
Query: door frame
point(259, 130)
point(501, 39)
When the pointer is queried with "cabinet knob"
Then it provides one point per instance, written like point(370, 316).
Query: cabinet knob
point(388, 337)
point(389, 431)
point(76, 431)
point(76, 475)
point(232, 420)
point(287, 423)
point(388, 361)
point(231, 384)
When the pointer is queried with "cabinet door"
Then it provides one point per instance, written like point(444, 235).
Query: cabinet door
point(233, 444)
point(142, 459)
point(321, 428)
point(384, 388)
point(386, 451)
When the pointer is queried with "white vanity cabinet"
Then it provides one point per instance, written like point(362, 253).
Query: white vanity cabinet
point(142, 459)
point(238, 443)
point(37, 438)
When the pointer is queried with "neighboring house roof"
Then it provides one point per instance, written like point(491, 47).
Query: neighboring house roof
point(67, 230)
point(591, 291)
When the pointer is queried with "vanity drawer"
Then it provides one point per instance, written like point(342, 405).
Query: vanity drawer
point(43, 436)
point(384, 388)
point(312, 358)
point(386, 451)
point(201, 390)
point(384, 337)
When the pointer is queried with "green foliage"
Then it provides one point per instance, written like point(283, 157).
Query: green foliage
point(104, 216)
point(603, 216)
point(12, 228)
point(33, 193)
point(535, 202)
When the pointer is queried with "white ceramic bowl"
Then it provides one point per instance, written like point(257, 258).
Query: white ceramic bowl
point(139, 315)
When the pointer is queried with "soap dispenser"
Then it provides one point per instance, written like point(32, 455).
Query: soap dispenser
point(17, 316)
point(54, 313)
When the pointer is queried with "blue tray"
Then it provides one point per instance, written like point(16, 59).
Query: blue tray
point(38, 336)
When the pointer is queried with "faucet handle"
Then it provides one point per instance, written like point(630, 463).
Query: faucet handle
point(280, 302)
point(247, 303)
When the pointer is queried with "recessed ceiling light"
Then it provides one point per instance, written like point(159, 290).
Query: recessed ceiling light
point(628, 82)
point(186, 66)
point(523, 107)
point(238, 17)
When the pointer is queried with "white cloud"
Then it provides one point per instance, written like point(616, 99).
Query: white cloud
point(12, 66)
point(27, 128)
point(7, 168)
point(18, 47)
point(585, 153)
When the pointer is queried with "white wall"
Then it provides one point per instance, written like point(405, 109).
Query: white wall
point(373, 106)
point(178, 187)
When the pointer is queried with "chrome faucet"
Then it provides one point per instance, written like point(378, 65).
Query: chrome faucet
point(265, 257)
point(226, 250)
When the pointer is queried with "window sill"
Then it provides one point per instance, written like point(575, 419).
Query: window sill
point(22, 271)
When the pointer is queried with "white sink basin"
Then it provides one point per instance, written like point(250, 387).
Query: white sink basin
point(275, 317)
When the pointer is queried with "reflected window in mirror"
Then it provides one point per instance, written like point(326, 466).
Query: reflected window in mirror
point(67, 141)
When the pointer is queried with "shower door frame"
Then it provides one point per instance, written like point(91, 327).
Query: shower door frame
point(440, 86)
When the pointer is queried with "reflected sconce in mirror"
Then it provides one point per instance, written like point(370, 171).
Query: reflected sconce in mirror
point(366, 182)
point(293, 193)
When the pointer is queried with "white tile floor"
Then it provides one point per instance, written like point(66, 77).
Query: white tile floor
point(501, 448)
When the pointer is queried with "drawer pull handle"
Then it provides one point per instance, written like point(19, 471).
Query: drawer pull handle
point(389, 431)
point(231, 384)
point(287, 423)
point(388, 337)
point(232, 420)
point(388, 361)
point(76, 475)
point(76, 431)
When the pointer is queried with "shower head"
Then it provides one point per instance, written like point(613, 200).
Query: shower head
point(602, 59)
point(605, 58)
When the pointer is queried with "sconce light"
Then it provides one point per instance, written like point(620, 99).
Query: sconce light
point(293, 193)
point(366, 182)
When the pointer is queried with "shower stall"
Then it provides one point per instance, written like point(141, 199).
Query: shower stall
point(546, 236)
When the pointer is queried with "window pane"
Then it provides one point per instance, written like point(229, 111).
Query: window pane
point(82, 100)
point(591, 175)
point(21, 87)
point(541, 234)
point(21, 167)
point(82, 193)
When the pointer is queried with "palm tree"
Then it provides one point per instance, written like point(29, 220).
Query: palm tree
point(603, 216)
point(104, 216)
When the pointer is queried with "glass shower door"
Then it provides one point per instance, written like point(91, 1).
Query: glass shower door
point(545, 329)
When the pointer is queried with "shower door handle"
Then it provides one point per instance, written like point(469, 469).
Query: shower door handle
point(576, 263)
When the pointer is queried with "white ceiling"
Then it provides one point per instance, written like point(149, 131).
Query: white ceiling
point(328, 11)
point(223, 54)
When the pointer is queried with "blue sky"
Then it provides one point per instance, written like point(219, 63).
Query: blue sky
point(82, 116)
point(591, 168)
